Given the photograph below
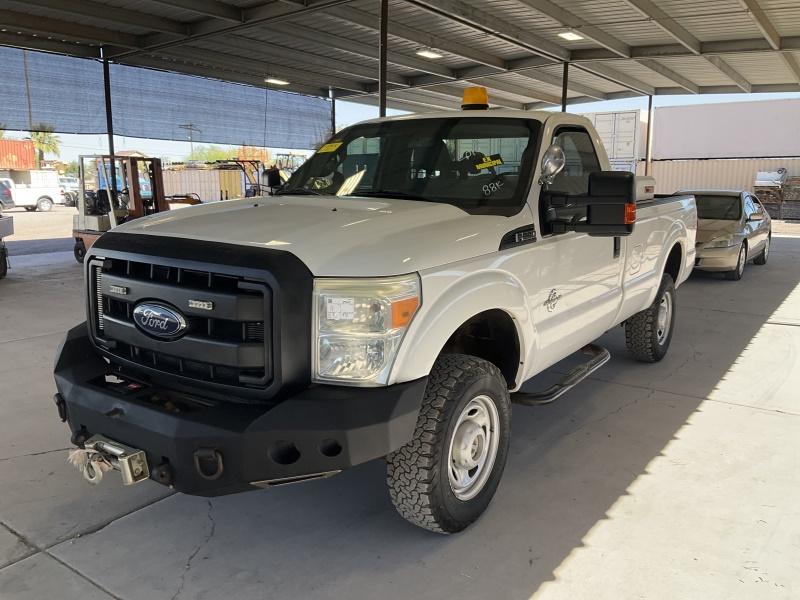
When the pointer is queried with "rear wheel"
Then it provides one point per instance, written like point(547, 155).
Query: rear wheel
point(445, 477)
point(738, 270)
point(648, 333)
point(761, 259)
point(3, 262)
point(44, 204)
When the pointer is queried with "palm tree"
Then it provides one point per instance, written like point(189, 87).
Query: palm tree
point(45, 142)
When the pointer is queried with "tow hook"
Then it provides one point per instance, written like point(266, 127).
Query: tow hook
point(100, 454)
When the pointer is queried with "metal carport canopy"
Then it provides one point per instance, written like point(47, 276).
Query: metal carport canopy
point(516, 48)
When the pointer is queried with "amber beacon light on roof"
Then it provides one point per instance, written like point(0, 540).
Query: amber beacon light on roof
point(475, 98)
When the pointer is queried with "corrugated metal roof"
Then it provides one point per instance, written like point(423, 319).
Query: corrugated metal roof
point(475, 38)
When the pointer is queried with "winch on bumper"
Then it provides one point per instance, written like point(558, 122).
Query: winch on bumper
point(212, 448)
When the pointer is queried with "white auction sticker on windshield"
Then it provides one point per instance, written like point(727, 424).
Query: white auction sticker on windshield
point(341, 309)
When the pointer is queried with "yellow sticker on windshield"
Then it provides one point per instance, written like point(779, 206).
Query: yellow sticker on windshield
point(492, 161)
point(330, 147)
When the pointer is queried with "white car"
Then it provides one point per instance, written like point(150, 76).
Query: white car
point(389, 301)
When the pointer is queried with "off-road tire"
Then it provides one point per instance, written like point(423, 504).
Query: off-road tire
point(417, 473)
point(641, 330)
point(738, 270)
point(761, 259)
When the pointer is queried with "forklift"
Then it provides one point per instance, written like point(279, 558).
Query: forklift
point(114, 190)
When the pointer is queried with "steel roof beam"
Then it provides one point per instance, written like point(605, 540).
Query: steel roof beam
point(39, 43)
point(664, 71)
point(208, 8)
point(366, 51)
point(793, 65)
point(719, 47)
point(606, 72)
point(272, 12)
point(424, 39)
point(75, 31)
point(555, 80)
point(259, 68)
point(480, 20)
point(405, 105)
point(103, 12)
point(763, 22)
point(572, 21)
point(256, 48)
point(485, 79)
point(667, 23)
point(230, 75)
point(730, 73)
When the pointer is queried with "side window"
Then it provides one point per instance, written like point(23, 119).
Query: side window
point(581, 161)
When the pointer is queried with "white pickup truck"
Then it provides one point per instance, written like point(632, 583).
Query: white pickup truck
point(35, 190)
point(389, 301)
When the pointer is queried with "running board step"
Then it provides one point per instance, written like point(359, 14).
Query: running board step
point(598, 356)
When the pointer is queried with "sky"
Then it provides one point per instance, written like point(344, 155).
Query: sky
point(348, 113)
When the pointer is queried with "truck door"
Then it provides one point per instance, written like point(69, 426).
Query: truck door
point(577, 296)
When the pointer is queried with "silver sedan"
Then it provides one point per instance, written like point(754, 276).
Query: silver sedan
point(732, 228)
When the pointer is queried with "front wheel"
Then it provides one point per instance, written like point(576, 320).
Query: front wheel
point(44, 205)
point(738, 270)
point(648, 333)
point(761, 259)
point(445, 477)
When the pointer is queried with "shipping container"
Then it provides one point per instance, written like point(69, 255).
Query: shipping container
point(209, 184)
point(734, 174)
point(17, 154)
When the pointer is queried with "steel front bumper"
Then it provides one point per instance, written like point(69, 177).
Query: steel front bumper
point(717, 259)
point(213, 449)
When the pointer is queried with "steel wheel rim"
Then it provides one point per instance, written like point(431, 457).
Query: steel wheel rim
point(473, 448)
point(740, 266)
point(664, 317)
point(46, 205)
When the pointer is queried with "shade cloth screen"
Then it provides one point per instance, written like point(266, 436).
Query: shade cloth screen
point(50, 92)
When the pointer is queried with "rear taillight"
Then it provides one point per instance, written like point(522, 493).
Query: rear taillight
point(5, 193)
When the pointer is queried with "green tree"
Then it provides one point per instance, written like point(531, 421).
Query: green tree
point(211, 153)
point(72, 168)
point(45, 142)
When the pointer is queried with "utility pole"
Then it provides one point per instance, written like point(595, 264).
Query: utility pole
point(190, 128)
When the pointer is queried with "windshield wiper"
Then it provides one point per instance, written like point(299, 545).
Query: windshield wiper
point(391, 194)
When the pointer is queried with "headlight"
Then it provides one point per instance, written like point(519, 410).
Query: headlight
point(359, 326)
point(726, 241)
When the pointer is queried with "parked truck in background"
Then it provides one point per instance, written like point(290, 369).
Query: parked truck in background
point(389, 301)
point(36, 190)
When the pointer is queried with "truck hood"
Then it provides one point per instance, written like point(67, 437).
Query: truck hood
point(708, 229)
point(338, 236)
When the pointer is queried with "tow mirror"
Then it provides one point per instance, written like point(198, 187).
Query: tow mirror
point(553, 162)
point(610, 206)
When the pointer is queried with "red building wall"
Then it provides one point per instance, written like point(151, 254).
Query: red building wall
point(17, 154)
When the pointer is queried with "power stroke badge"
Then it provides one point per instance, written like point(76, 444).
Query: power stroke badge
point(158, 320)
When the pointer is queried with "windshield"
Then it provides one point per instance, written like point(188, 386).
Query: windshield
point(480, 164)
point(728, 208)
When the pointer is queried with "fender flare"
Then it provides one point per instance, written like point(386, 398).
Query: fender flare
point(452, 307)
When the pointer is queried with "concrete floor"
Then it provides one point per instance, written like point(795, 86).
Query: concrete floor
point(675, 480)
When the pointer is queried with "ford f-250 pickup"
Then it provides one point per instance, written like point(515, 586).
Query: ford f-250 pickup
point(389, 301)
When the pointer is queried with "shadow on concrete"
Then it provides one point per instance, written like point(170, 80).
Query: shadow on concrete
point(569, 463)
point(42, 246)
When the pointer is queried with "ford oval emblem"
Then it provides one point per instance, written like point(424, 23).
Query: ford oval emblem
point(158, 320)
